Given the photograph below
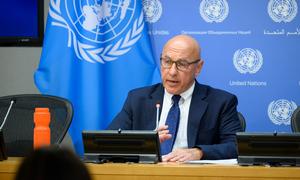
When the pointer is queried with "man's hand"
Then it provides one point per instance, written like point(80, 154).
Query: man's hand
point(183, 155)
point(163, 133)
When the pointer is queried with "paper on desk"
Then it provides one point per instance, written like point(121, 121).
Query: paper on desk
point(222, 162)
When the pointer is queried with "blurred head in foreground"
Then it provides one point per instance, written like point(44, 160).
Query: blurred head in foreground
point(50, 163)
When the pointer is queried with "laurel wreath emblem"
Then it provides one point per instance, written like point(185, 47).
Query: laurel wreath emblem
point(91, 53)
point(281, 106)
point(286, 16)
point(222, 13)
point(245, 68)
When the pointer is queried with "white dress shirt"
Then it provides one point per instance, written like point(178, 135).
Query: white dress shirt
point(184, 105)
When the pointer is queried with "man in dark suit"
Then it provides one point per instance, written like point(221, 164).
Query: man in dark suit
point(207, 117)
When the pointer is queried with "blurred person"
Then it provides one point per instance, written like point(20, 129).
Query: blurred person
point(52, 163)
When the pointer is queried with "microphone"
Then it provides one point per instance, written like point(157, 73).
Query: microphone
point(7, 113)
point(157, 115)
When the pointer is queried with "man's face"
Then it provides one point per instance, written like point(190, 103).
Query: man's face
point(177, 81)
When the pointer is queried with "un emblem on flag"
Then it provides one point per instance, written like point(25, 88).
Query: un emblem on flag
point(282, 10)
point(214, 10)
point(153, 10)
point(99, 30)
point(247, 60)
point(280, 111)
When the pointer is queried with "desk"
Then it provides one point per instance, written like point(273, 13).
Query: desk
point(171, 171)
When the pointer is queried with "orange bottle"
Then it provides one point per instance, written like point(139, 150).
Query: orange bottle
point(41, 132)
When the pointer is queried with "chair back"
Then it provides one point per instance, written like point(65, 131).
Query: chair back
point(295, 120)
point(242, 121)
point(18, 128)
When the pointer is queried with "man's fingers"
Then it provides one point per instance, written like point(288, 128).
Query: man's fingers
point(163, 132)
point(161, 128)
point(163, 137)
point(183, 155)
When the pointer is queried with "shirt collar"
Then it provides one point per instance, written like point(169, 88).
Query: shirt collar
point(185, 95)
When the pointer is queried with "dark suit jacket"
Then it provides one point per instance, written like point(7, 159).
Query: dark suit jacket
point(212, 119)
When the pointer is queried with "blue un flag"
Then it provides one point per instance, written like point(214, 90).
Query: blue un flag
point(94, 52)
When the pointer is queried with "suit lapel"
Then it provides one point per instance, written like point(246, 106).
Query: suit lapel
point(156, 96)
point(197, 109)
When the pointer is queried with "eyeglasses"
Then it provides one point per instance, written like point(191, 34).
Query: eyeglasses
point(181, 65)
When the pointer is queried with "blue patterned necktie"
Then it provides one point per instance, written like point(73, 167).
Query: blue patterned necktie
point(172, 122)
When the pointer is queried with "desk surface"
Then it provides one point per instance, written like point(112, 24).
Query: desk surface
point(168, 171)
